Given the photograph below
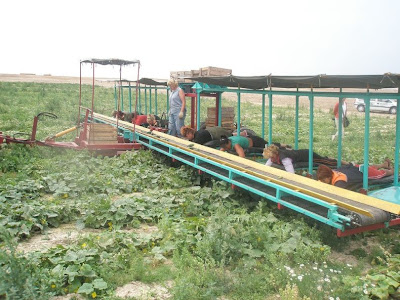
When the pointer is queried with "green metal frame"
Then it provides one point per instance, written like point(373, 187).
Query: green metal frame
point(333, 217)
point(311, 95)
point(202, 87)
point(148, 107)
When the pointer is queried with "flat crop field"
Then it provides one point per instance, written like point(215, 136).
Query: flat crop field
point(136, 226)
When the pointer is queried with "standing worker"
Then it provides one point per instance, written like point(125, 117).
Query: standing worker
point(336, 113)
point(177, 108)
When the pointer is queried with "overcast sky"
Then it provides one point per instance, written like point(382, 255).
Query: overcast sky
point(292, 37)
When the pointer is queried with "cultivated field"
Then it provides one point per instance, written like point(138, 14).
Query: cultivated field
point(139, 227)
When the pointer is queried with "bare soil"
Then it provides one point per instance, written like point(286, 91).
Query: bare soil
point(67, 234)
point(140, 290)
point(54, 79)
point(64, 235)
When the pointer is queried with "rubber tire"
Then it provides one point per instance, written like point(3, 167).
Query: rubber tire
point(393, 110)
point(361, 108)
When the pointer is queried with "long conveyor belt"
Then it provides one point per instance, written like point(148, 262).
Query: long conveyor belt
point(334, 206)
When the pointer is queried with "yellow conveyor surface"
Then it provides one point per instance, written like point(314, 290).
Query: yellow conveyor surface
point(346, 199)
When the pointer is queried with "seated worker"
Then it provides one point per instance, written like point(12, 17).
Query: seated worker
point(118, 113)
point(288, 158)
point(139, 119)
point(156, 121)
point(128, 117)
point(203, 136)
point(153, 120)
point(347, 175)
point(123, 116)
point(240, 143)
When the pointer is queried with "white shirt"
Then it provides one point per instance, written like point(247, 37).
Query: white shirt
point(344, 108)
point(286, 162)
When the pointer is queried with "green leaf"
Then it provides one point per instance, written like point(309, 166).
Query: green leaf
point(80, 224)
point(74, 286)
point(272, 247)
point(381, 293)
point(71, 271)
point(86, 288)
point(255, 253)
point(391, 282)
point(57, 270)
point(377, 277)
point(104, 242)
point(70, 256)
point(87, 271)
point(224, 194)
point(99, 284)
point(288, 246)
point(51, 214)
point(270, 218)
point(394, 275)
point(24, 230)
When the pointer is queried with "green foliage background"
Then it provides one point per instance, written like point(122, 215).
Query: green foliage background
point(210, 241)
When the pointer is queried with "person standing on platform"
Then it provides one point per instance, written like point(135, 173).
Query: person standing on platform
point(177, 108)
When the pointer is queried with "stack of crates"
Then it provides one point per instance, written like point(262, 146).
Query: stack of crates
point(102, 134)
point(184, 76)
point(227, 117)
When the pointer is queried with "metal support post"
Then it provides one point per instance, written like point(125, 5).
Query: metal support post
point(296, 124)
point(311, 136)
point(263, 117)
point(270, 119)
point(367, 101)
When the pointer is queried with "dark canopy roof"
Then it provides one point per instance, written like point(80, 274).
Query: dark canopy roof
point(387, 80)
point(150, 81)
point(147, 81)
point(111, 61)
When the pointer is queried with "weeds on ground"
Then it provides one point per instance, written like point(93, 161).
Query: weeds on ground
point(221, 242)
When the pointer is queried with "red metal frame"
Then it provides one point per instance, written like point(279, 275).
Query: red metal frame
point(80, 142)
point(9, 139)
point(193, 108)
point(348, 232)
point(160, 129)
point(217, 100)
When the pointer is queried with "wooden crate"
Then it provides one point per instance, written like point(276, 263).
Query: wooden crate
point(227, 117)
point(191, 73)
point(228, 112)
point(184, 76)
point(102, 134)
point(214, 71)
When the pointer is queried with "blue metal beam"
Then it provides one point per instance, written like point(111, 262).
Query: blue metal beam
point(296, 124)
point(337, 220)
point(270, 120)
point(367, 101)
point(311, 136)
point(263, 117)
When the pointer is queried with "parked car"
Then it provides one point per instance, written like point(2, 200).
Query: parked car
point(377, 105)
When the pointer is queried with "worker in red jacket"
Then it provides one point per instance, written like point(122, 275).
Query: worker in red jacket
point(139, 119)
